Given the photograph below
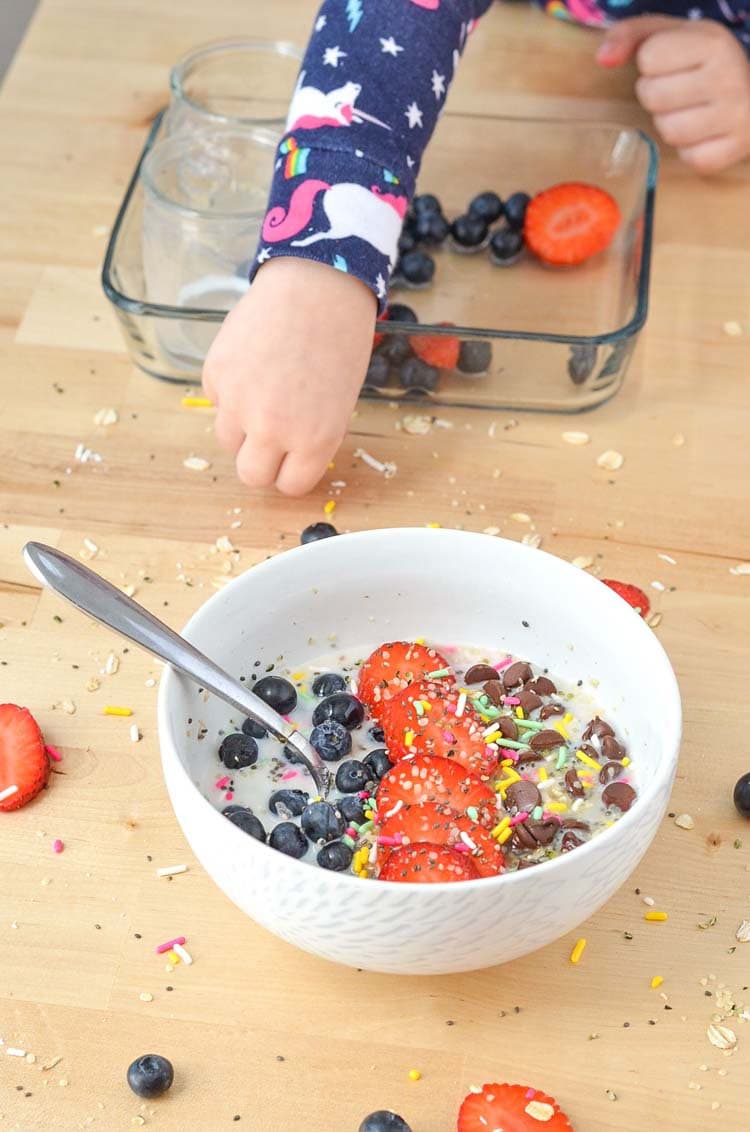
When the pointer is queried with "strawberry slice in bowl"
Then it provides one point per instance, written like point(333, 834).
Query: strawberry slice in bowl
point(424, 863)
point(395, 665)
point(423, 720)
point(426, 778)
point(441, 825)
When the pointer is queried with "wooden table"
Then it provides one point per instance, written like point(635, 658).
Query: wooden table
point(257, 1030)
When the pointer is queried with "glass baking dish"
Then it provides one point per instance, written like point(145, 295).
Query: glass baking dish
point(560, 339)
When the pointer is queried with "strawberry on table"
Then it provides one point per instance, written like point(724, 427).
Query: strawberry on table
point(422, 720)
point(441, 825)
point(511, 1108)
point(393, 667)
point(571, 222)
point(23, 760)
point(424, 863)
point(426, 778)
point(633, 595)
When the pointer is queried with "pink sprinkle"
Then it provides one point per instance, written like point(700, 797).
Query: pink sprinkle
point(289, 774)
point(389, 840)
point(363, 794)
point(229, 795)
point(449, 737)
point(503, 664)
point(523, 816)
point(459, 847)
point(352, 833)
point(170, 944)
point(286, 719)
point(512, 700)
point(530, 1094)
point(512, 755)
point(222, 782)
point(57, 845)
point(53, 753)
point(450, 709)
point(548, 816)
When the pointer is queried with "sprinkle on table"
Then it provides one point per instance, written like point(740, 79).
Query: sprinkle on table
point(53, 753)
point(182, 954)
point(329, 507)
point(414, 1075)
point(111, 709)
point(656, 917)
point(171, 870)
point(578, 950)
point(58, 845)
point(656, 982)
point(170, 944)
point(197, 403)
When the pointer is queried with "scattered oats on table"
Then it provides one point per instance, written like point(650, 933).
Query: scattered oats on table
point(582, 561)
point(106, 417)
point(742, 935)
point(678, 439)
point(576, 438)
point(534, 540)
point(520, 517)
point(721, 1037)
point(732, 329)
point(740, 568)
point(684, 821)
point(196, 464)
point(611, 460)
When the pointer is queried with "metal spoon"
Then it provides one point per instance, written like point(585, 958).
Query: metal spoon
point(105, 603)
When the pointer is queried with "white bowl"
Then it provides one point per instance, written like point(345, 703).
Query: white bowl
point(447, 586)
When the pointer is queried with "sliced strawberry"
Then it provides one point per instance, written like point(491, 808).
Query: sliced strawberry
point(634, 596)
point(393, 667)
point(424, 863)
point(437, 350)
point(428, 779)
point(511, 1108)
point(421, 720)
point(23, 759)
point(569, 223)
point(440, 825)
point(378, 336)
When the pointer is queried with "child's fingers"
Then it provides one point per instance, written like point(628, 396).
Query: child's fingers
point(257, 465)
point(301, 471)
point(621, 41)
point(711, 156)
point(229, 433)
point(685, 128)
point(665, 93)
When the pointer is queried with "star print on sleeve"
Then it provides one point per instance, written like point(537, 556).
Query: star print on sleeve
point(413, 115)
point(381, 288)
point(332, 56)
point(320, 23)
point(438, 85)
point(390, 47)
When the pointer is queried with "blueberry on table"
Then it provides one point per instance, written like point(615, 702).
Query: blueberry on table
point(278, 693)
point(506, 246)
point(515, 209)
point(432, 229)
point(238, 751)
point(327, 683)
point(288, 803)
point(351, 808)
point(352, 776)
point(331, 740)
point(742, 795)
point(395, 348)
point(417, 268)
point(383, 1121)
point(335, 856)
point(256, 730)
point(317, 531)
point(416, 374)
point(426, 203)
point(245, 820)
point(289, 839)
point(475, 356)
point(399, 312)
point(342, 707)
point(581, 362)
point(468, 233)
point(406, 242)
point(321, 822)
point(377, 372)
point(487, 206)
point(150, 1076)
point(378, 763)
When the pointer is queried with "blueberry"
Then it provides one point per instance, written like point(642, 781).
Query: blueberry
point(487, 206)
point(416, 374)
point(377, 372)
point(288, 838)
point(331, 740)
point(475, 356)
point(417, 268)
point(278, 693)
point(426, 203)
point(317, 531)
point(383, 1121)
point(399, 312)
point(506, 246)
point(341, 706)
point(245, 820)
point(327, 683)
point(351, 808)
point(377, 734)
point(238, 750)
point(288, 803)
point(515, 209)
point(352, 776)
point(407, 242)
point(335, 856)
point(250, 727)
point(432, 229)
point(321, 822)
point(150, 1076)
point(469, 233)
point(581, 362)
point(742, 795)
point(378, 763)
point(395, 348)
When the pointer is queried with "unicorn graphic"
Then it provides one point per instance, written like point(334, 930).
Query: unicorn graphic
point(311, 107)
point(351, 210)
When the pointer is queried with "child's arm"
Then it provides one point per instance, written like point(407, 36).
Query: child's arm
point(694, 79)
point(287, 366)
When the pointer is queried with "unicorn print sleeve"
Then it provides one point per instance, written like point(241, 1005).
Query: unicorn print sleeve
point(371, 89)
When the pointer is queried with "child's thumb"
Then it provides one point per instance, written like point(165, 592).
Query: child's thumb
point(623, 39)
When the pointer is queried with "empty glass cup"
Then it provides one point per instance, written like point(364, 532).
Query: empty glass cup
point(235, 83)
point(204, 202)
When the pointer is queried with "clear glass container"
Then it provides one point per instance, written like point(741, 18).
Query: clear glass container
point(232, 84)
point(559, 339)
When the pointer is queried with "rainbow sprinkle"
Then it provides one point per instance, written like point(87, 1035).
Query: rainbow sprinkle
point(110, 710)
point(53, 753)
point(656, 917)
point(170, 944)
point(656, 982)
point(578, 951)
point(58, 845)
point(588, 760)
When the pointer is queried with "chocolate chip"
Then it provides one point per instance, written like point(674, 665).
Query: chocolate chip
point(529, 701)
point(525, 757)
point(542, 685)
point(543, 832)
point(551, 709)
point(494, 691)
point(610, 771)
point(522, 837)
point(546, 740)
point(573, 784)
point(590, 751)
point(508, 727)
point(597, 727)
point(620, 795)
point(570, 841)
point(611, 749)
point(523, 795)
point(480, 672)
point(574, 823)
point(518, 673)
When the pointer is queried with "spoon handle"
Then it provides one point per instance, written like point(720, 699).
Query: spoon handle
point(92, 594)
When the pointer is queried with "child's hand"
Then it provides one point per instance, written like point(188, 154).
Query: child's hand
point(694, 79)
point(285, 371)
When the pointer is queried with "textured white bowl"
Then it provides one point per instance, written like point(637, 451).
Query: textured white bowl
point(447, 586)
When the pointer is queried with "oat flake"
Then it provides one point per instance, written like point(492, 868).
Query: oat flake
point(742, 935)
point(491, 531)
point(196, 464)
point(684, 821)
point(721, 1037)
point(521, 517)
point(582, 561)
point(532, 540)
point(732, 329)
point(576, 438)
point(539, 1110)
point(740, 568)
point(678, 439)
point(106, 417)
point(612, 460)
point(654, 620)
point(415, 426)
